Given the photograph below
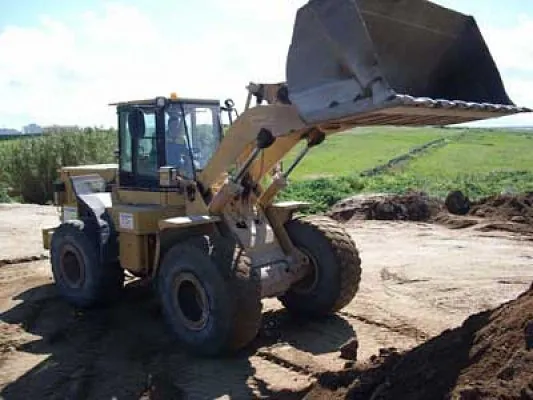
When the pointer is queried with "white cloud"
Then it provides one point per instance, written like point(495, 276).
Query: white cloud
point(68, 71)
point(512, 45)
point(513, 53)
point(511, 49)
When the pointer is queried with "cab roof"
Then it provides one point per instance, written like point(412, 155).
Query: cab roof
point(150, 102)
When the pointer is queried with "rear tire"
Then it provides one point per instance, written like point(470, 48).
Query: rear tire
point(78, 273)
point(335, 263)
point(209, 310)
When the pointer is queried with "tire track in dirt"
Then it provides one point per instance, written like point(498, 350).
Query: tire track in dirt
point(402, 329)
point(288, 364)
point(22, 260)
point(285, 359)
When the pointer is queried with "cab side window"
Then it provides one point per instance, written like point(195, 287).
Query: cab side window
point(147, 157)
point(125, 142)
point(139, 158)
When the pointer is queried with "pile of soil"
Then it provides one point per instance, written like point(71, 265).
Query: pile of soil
point(514, 208)
point(489, 356)
point(412, 206)
point(510, 213)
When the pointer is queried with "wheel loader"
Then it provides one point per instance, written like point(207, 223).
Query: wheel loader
point(187, 207)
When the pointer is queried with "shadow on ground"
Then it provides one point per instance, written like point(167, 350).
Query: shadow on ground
point(317, 337)
point(120, 351)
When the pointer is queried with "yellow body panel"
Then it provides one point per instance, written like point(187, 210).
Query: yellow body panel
point(106, 171)
point(142, 219)
point(135, 252)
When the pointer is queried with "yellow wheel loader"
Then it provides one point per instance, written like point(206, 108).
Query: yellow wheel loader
point(186, 208)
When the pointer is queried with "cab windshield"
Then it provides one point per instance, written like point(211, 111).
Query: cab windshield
point(192, 135)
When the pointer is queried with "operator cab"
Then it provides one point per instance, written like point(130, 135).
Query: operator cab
point(180, 133)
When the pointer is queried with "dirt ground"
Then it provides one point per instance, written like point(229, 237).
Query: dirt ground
point(418, 280)
point(20, 230)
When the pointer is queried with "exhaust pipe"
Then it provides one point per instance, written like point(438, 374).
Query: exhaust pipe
point(385, 60)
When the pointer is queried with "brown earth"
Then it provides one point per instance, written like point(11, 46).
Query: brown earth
point(418, 280)
point(414, 206)
point(508, 213)
point(516, 208)
point(20, 231)
point(489, 356)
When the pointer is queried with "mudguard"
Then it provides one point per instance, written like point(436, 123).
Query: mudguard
point(93, 205)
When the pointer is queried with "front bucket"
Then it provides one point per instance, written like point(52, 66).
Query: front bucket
point(357, 56)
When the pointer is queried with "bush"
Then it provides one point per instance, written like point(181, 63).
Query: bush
point(325, 192)
point(4, 197)
point(29, 166)
point(322, 193)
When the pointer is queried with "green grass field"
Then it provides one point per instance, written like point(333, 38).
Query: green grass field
point(478, 152)
point(478, 161)
point(360, 149)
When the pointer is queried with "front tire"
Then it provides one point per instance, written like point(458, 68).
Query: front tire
point(335, 266)
point(210, 311)
point(78, 273)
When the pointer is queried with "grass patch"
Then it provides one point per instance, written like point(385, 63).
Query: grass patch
point(360, 149)
point(322, 193)
point(477, 152)
point(478, 162)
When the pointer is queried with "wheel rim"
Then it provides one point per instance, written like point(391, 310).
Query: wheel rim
point(190, 301)
point(310, 281)
point(72, 267)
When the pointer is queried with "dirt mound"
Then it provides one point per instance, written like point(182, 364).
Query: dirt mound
point(509, 213)
point(515, 208)
point(489, 356)
point(412, 206)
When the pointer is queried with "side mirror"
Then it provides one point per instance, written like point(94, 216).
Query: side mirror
point(136, 123)
point(230, 104)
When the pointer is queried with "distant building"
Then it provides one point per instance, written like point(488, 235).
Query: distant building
point(32, 129)
point(8, 132)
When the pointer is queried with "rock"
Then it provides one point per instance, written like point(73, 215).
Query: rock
point(519, 219)
point(349, 350)
point(457, 203)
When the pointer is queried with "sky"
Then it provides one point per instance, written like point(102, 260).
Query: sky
point(63, 62)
